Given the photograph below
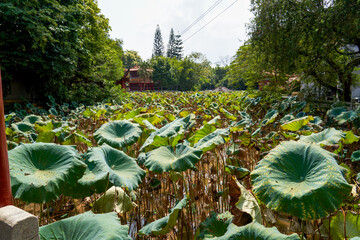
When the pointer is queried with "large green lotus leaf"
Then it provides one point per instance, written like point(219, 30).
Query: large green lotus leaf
point(254, 231)
point(32, 119)
point(39, 171)
point(165, 159)
point(171, 129)
point(94, 180)
point(300, 179)
point(202, 132)
point(345, 117)
point(86, 226)
point(297, 123)
point(115, 199)
point(213, 139)
point(163, 225)
point(23, 127)
point(334, 112)
point(269, 117)
point(118, 134)
point(123, 170)
point(352, 226)
point(328, 137)
point(214, 226)
point(248, 203)
point(355, 156)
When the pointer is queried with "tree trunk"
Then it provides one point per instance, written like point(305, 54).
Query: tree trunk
point(347, 90)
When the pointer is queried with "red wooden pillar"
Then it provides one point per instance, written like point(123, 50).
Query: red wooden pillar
point(5, 186)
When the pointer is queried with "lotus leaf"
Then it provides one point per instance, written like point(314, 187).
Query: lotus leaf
point(163, 225)
point(165, 159)
point(39, 171)
point(205, 130)
point(300, 115)
point(355, 156)
point(118, 134)
point(248, 203)
point(254, 231)
point(287, 118)
point(171, 129)
point(334, 112)
point(328, 137)
point(350, 138)
point(86, 226)
point(23, 127)
point(123, 170)
point(115, 199)
point(297, 123)
point(94, 180)
point(213, 139)
point(239, 172)
point(214, 226)
point(269, 117)
point(300, 179)
point(32, 119)
point(337, 226)
point(345, 117)
point(317, 120)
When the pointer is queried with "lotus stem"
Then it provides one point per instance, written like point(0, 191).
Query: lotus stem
point(302, 229)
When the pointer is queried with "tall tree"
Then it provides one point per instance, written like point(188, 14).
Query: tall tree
point(158, 49)
point(171, 48)
point(178, 47)
point(318, 39)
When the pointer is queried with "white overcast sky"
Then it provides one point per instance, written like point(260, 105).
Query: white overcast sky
point(135, 22)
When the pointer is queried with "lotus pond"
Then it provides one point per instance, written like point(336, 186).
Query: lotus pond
point(199, 165)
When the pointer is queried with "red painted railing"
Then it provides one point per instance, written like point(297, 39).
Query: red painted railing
point(5, 187)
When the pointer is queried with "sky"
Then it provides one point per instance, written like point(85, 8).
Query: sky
point(135, 23)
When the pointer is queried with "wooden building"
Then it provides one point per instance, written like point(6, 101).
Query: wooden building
point(132, 81)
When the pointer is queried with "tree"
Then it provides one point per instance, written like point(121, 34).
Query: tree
point(178, 47)
point(53, 47)
point(158, 49)
point(171, 48)
point(245, 69)
point(162, 73)
point(318, 39)
point(131, 58)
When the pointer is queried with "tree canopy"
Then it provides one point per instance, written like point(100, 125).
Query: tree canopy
point(61, 47)
point(318, 39)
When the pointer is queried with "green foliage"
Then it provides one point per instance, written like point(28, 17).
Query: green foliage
point(338, 226)
point(165, 158)
point(86, 226)
point(253, 231)
point(122, 169)
point(317, 39)
point(301, 179)
point(40, 171)
point(115, 199)
point(163, 225)
point(118, 134)
point(158, 48)
point(61, 47)
point(131, 58)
